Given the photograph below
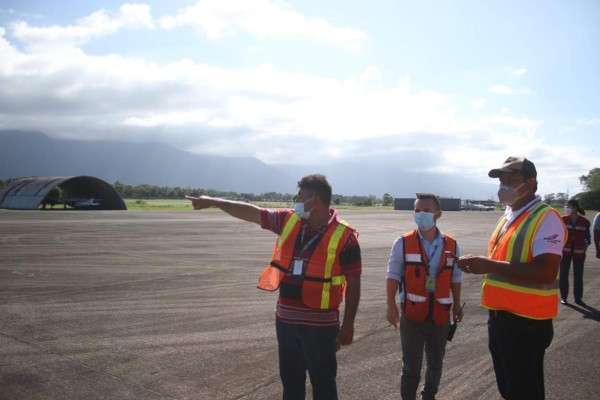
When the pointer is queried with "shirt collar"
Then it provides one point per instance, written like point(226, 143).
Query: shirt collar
point(437, 236)
point(511, 214)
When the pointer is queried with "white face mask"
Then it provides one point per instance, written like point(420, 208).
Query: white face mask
point(509, 195)
point(568, 210)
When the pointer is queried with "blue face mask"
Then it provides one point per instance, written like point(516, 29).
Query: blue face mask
point(299, 209)
point(424, 220)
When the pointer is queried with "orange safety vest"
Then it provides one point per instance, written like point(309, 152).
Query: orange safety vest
point(419, 304)
point(515, 245)
point(575, 245)
point(323, 283)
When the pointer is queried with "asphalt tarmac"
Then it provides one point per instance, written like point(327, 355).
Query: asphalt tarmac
point(164, 305)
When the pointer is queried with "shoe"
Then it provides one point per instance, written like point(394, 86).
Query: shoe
point(579, 302)
point(563, 301)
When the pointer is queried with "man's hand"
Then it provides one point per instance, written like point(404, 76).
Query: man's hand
point(345, 336)
point(474, 264)
point(457, 312)
point(393, 315)
point(200, 203)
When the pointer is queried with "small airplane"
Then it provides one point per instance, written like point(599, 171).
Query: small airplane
point(482, 207)
point(468, 206)
point(80, 203)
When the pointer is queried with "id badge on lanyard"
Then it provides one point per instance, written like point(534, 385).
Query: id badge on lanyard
point(430, 284)
point(297, 267)
point(430, 280)
point(299, 263)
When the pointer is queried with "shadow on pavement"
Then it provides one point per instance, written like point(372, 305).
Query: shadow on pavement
point(587, 311)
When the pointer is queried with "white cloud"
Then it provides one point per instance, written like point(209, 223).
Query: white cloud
point(520, 72)
point(508, 91)
point(261, 18)
point(499, 89)
point(524, 91)
point(588, 121)
point(100, 23)
point(522, 126)
point(477, 104)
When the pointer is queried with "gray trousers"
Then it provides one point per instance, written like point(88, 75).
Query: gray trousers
point(416, 337)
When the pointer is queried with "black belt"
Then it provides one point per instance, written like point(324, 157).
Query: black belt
point(504, 314)
point(508, 316)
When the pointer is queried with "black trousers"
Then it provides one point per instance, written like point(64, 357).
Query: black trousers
point(565, 266)
point(518, 346)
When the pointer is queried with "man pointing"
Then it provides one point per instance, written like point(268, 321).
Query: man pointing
point(315, 262)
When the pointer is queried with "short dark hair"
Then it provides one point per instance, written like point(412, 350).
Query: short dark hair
point(430, 196)
point(318, 184)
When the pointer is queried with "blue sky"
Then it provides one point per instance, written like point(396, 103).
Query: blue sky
point(438, 86)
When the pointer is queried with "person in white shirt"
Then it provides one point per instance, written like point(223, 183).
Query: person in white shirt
point(520, 286)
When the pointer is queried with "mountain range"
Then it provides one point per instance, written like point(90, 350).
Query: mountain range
point(26, 153)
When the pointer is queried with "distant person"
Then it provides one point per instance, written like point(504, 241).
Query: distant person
point(520, 286)
point(596, 229)
point(314, 262)
point(579, 238)
point(421, 267)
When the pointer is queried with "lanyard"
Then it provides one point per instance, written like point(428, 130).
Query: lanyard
point(428, 256)
point(312, 240)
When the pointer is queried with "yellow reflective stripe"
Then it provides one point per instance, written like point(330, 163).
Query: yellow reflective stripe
point(338, 280)
point(532, 229)
point(331, 254)
point(501, 223)
point(287, 229)
point(551, 290)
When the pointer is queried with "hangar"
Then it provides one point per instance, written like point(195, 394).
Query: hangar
point(76, 192)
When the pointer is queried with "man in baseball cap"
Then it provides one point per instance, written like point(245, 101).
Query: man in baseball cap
point(519, 286)
point(515, 164)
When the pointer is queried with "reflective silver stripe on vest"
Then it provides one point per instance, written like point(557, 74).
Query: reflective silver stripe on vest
point(416, 298)
point(413, 258)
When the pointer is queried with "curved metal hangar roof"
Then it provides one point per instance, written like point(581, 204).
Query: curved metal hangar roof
point(72, 192)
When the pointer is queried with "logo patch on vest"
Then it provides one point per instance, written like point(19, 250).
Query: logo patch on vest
point(552, 239)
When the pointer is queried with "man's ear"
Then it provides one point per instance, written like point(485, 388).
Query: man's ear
point(530, 183)
point(312, 202)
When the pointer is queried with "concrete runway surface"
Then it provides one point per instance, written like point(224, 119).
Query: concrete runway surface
point(164, 305)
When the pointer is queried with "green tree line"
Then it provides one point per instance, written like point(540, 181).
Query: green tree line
point(164, 192)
